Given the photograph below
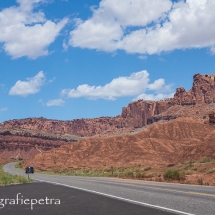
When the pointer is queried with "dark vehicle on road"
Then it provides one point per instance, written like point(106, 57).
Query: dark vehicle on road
point(29, 169)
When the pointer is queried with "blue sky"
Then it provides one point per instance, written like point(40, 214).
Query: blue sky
point(67, 59)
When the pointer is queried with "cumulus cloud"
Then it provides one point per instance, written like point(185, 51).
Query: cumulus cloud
point(133, 85)
point(147, 27)
point(106, 27)
point(55, 102)
point(27, 33)
point(31, 86)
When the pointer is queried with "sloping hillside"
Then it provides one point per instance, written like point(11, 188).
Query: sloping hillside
point(181, 139)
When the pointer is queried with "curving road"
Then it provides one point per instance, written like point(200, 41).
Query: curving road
point(170, 198)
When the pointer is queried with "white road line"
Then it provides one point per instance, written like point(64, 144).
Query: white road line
point(120, 198)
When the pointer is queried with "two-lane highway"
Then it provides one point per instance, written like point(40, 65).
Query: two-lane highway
point(172, 198)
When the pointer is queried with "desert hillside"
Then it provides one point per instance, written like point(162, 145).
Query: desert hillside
point(175, 141)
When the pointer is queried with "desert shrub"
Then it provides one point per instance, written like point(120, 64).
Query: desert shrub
point(107, 170)
point(128, 174)
point(200, 181)
point(206, 160)
point(116, 174)
point(190, 163)
point(18, 164)
point(139, 175)
point(174, 175)
point(189, 172)
point(211, 171)
point(171, 164)
point(147, 168)
point(149, 175)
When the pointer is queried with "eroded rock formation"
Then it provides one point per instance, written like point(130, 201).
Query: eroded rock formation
point(202, 91)
point(21, 143)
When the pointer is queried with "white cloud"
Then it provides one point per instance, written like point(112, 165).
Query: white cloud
point(31, 86)
point(143, 57)
point(55, 102)
point(154, 97)
point(133, 85)
point(147, 27)
point(3, 109)
point(65, 45)
point(105, 28)
point(52, 80)
point(27, 33)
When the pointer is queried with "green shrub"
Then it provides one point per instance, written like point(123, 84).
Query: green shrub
point(139, 175)
point(128, 174)
point(147, 168)
point(206, 160)
point(18, 164)
point(174, 175)
point(211, 171)
point(190, 163)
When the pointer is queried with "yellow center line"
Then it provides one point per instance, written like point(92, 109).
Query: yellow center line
point(155, 188)
point(201, 194)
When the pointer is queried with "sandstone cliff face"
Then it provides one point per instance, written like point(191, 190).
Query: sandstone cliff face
point(203, 91)
point(199, 98)
point(80, 127)
point(136, 115)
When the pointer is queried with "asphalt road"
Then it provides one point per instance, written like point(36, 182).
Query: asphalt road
point(162, 197)
point(71, 202)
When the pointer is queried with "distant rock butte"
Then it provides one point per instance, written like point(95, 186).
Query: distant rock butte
point(198, 101)
point(203, 91)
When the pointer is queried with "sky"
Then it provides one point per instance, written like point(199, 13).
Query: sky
point(69, 59)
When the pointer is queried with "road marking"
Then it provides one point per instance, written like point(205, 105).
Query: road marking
point(119, 198)
point(153, 188)
point(201, 194)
